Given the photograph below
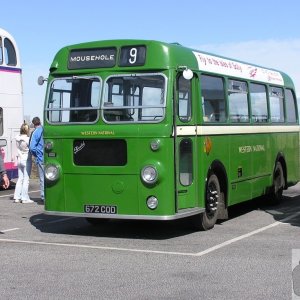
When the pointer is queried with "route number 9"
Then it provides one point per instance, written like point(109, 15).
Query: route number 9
point(132, 56)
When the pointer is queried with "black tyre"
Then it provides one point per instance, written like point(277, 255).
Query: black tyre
point(278, 184)
point(214, 199)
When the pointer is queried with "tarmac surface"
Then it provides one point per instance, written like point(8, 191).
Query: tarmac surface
point(250, 256)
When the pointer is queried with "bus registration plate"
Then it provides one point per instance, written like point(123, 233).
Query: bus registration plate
point(101, 209)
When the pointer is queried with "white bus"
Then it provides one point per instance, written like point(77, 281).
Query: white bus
point(11, 100)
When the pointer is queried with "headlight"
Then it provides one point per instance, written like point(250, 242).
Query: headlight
point(51, 172)
point(149, 174)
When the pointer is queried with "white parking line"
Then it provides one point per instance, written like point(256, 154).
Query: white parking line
point(11, 229)
point(11, 195)
point(241, 237)
point(199, 254)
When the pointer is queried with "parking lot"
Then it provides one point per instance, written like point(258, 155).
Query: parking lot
point(248, 256)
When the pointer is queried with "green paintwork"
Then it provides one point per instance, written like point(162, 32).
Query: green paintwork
point(248, 174)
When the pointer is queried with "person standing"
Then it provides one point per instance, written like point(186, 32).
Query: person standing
point(3, 176)
point(36, 147)
point(24, 166)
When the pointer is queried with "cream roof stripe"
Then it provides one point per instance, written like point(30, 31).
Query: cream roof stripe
point(243, 129)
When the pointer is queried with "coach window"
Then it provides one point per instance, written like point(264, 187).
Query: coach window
point(259, 106)
point(276, 105)
point(213, 99)
point(291, 116)
point(10, 53)
point(1, 52)
point(1, 121)
point(184, 99)
point(238, 101)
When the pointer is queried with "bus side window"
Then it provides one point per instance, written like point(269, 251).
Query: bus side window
point(10, 53)
point(238, 101)
point(213, 99)
point(184, 99)
point(259, 104)
point(291, 115)
point(1, 121)
point(276, 105)
point(1, 52)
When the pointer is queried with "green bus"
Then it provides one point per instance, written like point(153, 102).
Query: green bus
point(147, 130)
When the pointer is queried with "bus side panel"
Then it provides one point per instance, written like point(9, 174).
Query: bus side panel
point(262, 163)
point(286, 143)
point(12, 118)
point(240, 168)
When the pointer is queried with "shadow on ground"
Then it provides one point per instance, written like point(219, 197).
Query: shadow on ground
point(161, 230)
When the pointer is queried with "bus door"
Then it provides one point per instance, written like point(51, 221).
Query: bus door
point(185, 144)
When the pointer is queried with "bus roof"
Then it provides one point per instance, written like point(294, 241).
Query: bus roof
point(163, 56)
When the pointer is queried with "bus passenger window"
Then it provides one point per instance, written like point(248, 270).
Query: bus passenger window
point(238, 101)
point(1, 52)
point(259, 106)
point(276, 104)
point(213, 99)
point(186, 162)
point(10, 53)
point(1, 121)
point(291, 116)
point(184, 99)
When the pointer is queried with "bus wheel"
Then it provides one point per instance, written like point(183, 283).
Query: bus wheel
point(96, 221)
point(278, 184)
point(214, 197)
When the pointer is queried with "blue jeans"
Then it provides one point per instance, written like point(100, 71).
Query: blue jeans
point(24, 171)
point(40, 167)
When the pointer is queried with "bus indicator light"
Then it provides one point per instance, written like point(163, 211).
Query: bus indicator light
point(155, 145)
point(48, 146)
point(152, 202)
point(207, 145)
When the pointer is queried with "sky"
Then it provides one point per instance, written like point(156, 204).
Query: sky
point(262, 32)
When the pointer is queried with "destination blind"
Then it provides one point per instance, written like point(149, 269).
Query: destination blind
point(92, 58)
point(106, 57)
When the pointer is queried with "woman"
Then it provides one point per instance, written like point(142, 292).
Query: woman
point(24, 166)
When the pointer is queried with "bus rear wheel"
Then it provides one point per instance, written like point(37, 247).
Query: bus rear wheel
point(278, 184)
point(214, 199)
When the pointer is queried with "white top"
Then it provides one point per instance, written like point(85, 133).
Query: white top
point(22, 146)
